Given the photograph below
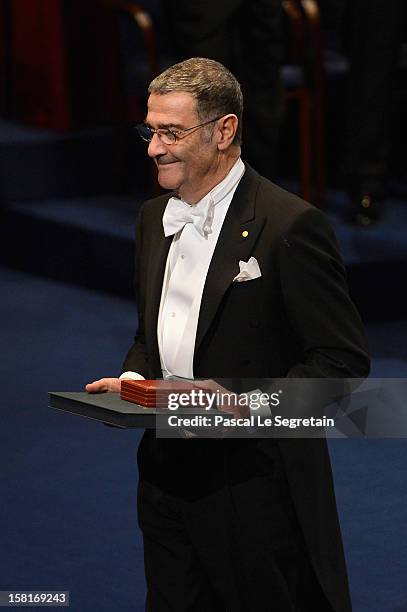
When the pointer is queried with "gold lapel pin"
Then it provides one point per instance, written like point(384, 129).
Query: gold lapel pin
point(245, 234)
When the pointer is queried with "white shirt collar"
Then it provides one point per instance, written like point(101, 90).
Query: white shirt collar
point(222, 189)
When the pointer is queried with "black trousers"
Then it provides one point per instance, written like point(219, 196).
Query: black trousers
point(220, 531)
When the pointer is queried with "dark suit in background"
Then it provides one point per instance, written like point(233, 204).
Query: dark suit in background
point(370, 33)
point(247, 37)
point(373, 40)
point(296, 320)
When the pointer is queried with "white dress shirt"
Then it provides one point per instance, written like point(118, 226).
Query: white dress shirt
point(185, 274)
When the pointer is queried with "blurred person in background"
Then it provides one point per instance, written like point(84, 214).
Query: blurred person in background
point(247, 37)
point(370, 32)
point(375, 36)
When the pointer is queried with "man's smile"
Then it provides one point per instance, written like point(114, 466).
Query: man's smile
point(166, 163)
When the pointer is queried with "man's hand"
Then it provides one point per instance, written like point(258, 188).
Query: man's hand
point(231, 399)
point(103, 385)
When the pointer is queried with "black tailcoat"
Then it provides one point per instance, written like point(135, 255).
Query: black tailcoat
point(296, 320)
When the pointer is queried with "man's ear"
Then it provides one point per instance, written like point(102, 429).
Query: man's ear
point(227, 128)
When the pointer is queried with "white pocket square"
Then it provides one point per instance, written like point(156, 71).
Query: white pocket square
point(249, 270)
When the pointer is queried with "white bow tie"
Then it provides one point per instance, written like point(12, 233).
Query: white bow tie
point(177, 214)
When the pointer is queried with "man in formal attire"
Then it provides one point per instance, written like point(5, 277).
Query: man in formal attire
point(234, 524)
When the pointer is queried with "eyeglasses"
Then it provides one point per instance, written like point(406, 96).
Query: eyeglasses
point(167, 136)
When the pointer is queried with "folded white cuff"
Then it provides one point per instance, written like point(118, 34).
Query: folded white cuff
point(131, 376)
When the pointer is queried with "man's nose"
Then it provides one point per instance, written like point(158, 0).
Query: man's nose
point(156, 147)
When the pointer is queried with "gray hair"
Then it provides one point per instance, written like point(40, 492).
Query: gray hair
point(216, 91)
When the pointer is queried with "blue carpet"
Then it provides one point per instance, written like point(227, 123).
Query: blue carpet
point(383, 241)
point(68, 485)
point(371, 493)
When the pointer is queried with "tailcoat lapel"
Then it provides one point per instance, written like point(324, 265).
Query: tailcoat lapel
point(159, 248)
point(232, 246)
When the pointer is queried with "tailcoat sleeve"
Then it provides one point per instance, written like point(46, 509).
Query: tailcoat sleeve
point(317, 301)
point(136, 359)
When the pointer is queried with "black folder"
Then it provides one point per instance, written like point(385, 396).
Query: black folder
point(105, 407)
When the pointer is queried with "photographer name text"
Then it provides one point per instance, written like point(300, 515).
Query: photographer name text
point(253, 420)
